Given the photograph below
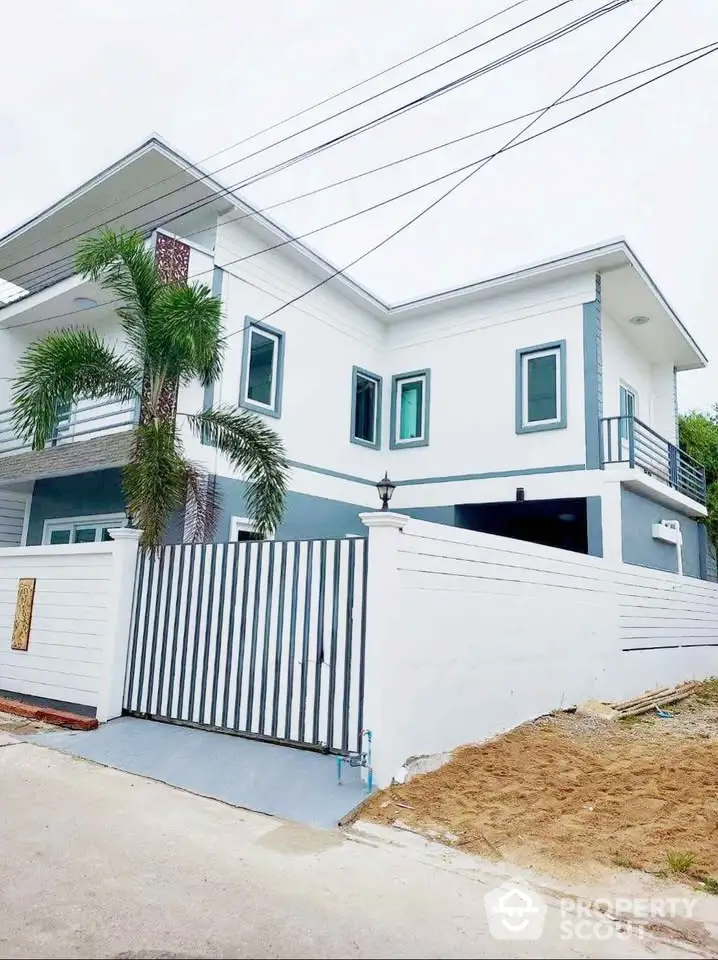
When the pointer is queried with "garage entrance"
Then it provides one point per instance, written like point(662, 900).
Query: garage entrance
point(553, 523)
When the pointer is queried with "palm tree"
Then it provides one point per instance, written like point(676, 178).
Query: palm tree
point(174, 335)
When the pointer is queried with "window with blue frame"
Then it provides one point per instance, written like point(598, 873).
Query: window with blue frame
point(262, 367)
point(541, 387)
point(628, 406)
point(410, 409)
point(366, 408)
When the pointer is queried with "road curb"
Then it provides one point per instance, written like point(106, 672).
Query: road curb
point(60, 718)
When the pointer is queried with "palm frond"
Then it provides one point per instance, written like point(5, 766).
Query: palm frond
point(154, 482)
point(255, 450)
point(203, 504)
point(64, 367)
point(184, 337)
point(122, 263)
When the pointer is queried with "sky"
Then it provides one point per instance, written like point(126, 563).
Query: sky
point(204, 76)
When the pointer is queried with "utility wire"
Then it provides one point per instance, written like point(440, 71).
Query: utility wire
point(331, 142)
point(471, 173)
point(305, 110)
point(608, 7)
point(451, 173)
point(706, 52)
point(466, 136)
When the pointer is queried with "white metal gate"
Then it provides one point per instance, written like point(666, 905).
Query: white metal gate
point(264, 639)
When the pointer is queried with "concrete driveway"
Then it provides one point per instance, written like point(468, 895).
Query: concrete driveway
point(99, 863)
point(286, 782)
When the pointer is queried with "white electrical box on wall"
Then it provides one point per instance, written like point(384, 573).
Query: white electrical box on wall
point(668, 531)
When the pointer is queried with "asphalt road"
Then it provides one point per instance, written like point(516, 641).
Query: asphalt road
point(98, 863)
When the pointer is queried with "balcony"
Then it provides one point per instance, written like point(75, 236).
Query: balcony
point(629, 441)
point(92, 435)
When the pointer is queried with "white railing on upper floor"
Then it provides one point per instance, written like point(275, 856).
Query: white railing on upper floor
point(86, 420)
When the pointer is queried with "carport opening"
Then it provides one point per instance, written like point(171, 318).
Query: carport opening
point(554, 523)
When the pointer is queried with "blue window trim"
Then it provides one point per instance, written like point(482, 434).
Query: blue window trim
point(357, 372)
point(560, 424)
point(394, 442)
point(275, 411)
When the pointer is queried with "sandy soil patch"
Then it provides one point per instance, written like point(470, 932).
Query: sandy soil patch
point(567, 790)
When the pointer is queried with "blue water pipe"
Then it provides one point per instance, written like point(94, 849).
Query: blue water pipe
point(362, 759)
point(369, 778)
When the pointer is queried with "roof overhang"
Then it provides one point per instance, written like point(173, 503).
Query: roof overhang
point(150, 186)
point(155, 185)
point(624, 277)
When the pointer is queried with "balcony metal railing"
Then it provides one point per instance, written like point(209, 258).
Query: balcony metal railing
point(85, 421)
point(629, 440)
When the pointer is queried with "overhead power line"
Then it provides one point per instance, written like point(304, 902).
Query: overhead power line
point(468, 136)
point(278, 167)
point(566, 29)
point(486, 158)
point(471, 173)
point(305, 110)
point(706, 49)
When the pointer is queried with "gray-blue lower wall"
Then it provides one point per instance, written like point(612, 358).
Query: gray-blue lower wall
point(638, 514)
point(100, 492)
point(305, 517)
point(84, 494)
point(445, 515)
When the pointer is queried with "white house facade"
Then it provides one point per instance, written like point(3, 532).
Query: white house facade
point(539, 405)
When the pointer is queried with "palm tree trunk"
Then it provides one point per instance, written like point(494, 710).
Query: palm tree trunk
point(172, 259)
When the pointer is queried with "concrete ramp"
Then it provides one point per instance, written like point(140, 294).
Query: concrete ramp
point(286, 782)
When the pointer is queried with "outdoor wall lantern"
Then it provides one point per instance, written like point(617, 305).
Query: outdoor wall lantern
point(385, 488)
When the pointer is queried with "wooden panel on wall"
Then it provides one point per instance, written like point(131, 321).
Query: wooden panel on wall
point(23, 613)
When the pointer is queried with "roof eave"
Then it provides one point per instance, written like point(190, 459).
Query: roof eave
point(701, 358)
point(79, 191)
point(596, 256)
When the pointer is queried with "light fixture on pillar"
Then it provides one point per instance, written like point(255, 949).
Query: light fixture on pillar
point(385, 489)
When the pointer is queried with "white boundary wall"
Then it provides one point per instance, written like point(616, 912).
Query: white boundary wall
point(80, 623)
point(469, 634)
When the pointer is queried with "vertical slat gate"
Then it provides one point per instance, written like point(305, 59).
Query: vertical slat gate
point(263, 639)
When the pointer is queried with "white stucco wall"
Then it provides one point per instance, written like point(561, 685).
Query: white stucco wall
point(324, 337)
point(470, 351)
point(80, 621)
point(469, 347)
point(470, 634)
point(11, 349)
point(663, 409)
point(623, 363)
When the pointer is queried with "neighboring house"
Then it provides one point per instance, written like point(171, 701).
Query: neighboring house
point(540, 404)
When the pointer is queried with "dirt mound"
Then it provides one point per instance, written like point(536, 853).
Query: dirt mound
point(566, 790)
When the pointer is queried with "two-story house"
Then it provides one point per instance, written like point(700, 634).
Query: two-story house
point(538, 405)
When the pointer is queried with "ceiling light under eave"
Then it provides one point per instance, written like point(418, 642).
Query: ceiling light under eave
point(85, 303)
point(639, 320)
